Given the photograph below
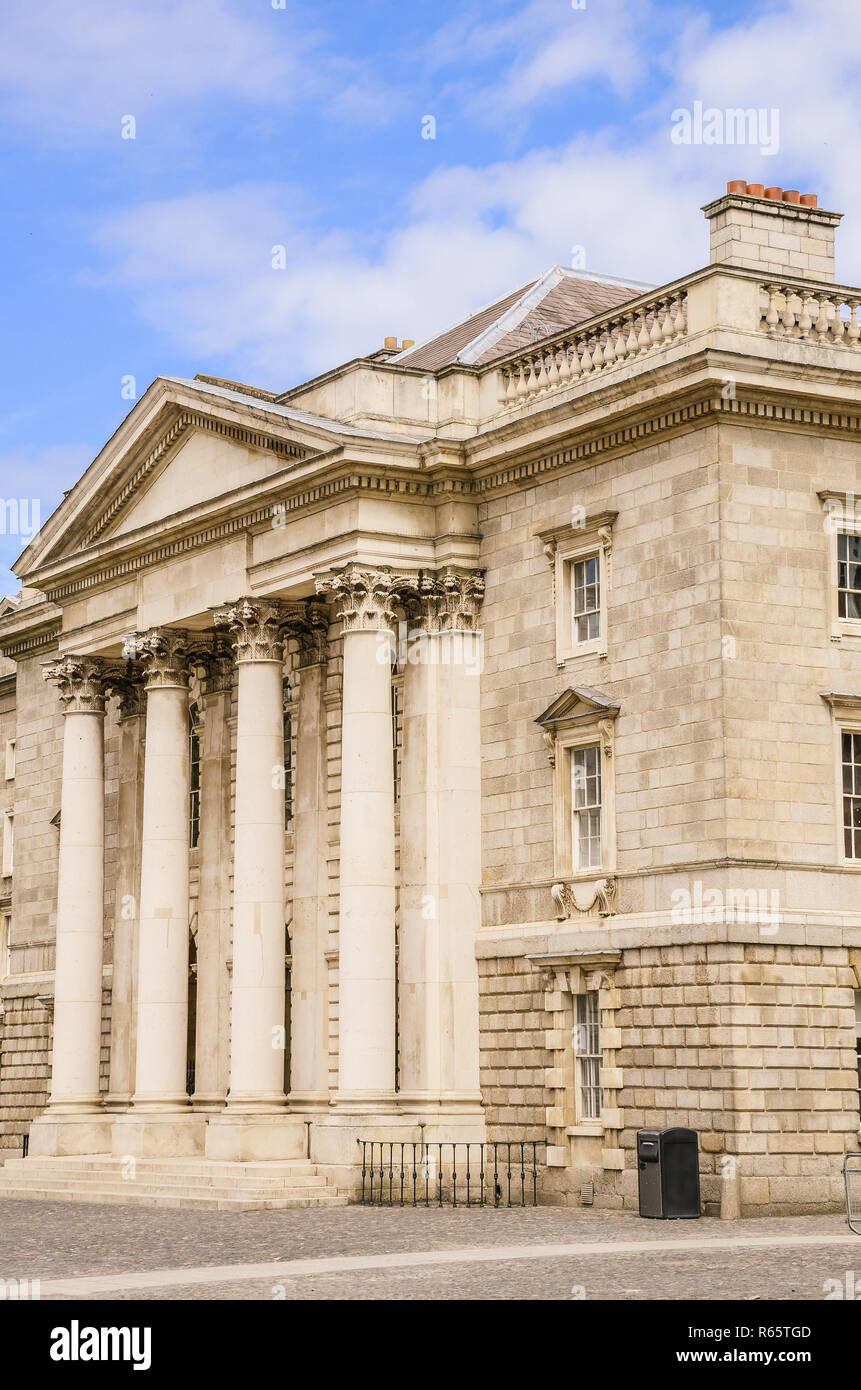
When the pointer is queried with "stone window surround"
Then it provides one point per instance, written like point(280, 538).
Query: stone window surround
point(10, 759)
point(568, 974)
point(837, 522)
point(595, 725)
point(563, 545)
point(5, 941)
point(8, 846)
point(846, 718)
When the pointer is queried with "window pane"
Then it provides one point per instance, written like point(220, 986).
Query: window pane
point(849, 576)
point(588, 1051)
point(850, 746)
point(585, 599)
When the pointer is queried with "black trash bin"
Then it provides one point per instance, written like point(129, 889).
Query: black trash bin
point(669, 1173)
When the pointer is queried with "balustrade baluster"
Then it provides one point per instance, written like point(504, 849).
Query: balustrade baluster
point(853, 329)
point(838, 323)
point(772, 317)
point(822, 318)
point(805, 322)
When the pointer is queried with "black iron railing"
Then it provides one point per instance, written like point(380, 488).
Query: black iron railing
point(503, 1174)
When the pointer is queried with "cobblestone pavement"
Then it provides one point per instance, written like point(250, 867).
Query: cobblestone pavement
point(62, 1241)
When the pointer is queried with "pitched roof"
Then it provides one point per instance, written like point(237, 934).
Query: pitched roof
point(558, 299)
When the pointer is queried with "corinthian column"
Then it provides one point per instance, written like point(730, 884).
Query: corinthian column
point(162, 1004)
point(259, 935)
point(80, 888)
point(441, 848)
point(366, 949)
point(309, 1013)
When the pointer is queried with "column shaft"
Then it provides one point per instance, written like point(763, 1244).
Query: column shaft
point(366, 964)
point(162, 1014)
point(310, 927)
point(126, 890)
point(440, 846)
point(80, 915)
point(213, 934)
point(258, 995)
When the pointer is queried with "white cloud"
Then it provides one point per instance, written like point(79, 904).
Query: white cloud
point(73, 71)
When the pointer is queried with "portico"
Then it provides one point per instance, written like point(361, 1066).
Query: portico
point(406, 968)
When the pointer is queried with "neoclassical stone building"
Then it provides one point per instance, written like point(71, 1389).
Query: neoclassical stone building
point(463, 744)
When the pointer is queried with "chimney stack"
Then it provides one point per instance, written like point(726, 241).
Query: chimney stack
point(777, 231)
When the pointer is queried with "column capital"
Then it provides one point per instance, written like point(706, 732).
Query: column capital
point(130, 691)
point(445, 600)
point(215, 659)
point(310, 628)
point(163, 656)
point(81, 682)
point(256, 626)
point(364, 598)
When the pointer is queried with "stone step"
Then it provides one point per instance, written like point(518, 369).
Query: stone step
point(173, 1200)
point(109, 1162)
point(95, 1176)
point(96, 1191)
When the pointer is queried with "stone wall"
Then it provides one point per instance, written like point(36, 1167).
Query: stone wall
point(663, 666)
point(513, 1056)
point(751, 1044)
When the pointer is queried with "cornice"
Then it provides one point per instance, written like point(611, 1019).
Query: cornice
point(409, 483)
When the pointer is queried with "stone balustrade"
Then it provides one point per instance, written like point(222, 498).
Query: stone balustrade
point(647, 324)
point(814, 313)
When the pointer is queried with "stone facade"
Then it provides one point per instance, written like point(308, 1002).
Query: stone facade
point(437, 942)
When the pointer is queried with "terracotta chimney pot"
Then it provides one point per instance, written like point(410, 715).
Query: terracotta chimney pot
point(391, 344)
point(736, 186)
point(776, 194)
point(809, 200)
point(791, 195)
point(755, 190)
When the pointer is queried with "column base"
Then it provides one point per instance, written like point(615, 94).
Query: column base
point(208, 1102)
point(151, 1135)
point(252, 1138)
point(60, 1135)
point(310, 1102)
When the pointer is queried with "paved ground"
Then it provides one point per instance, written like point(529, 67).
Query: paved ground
point(360, 1253)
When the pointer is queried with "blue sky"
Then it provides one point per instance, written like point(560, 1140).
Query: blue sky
point(301, 126)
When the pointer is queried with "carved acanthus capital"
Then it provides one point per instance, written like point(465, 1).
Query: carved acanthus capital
point(446, 600)
point(163, 656)
point(80, 681)
point(215, 664)
point(364, 599)
point(256, 626)
point(310, 627)
point(125, 683)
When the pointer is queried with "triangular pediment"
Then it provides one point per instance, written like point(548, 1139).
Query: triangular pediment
point(197, 466)
point(578, 702)
point(185, 445)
